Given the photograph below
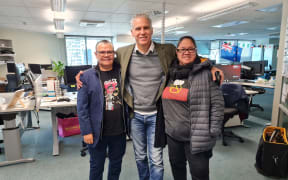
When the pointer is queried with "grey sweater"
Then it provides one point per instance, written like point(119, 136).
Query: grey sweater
point(145, 77)
point(205, 110)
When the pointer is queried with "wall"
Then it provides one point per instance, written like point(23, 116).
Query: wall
point(32, 47)
point(274, 41)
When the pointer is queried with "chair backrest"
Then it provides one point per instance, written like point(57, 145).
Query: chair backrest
point(233, 93)
point(235, 97)
point(12, 82)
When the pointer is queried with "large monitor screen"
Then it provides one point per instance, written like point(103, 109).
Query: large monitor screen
point(231, 72)
point(35, 68)
point(71, 71)
point(257, 67)
point(46, 66)
point(11, 68)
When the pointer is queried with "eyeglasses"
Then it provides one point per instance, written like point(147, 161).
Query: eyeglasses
point(190, 50)
point(105, 52)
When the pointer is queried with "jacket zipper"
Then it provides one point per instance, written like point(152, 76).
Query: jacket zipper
point(101, 130)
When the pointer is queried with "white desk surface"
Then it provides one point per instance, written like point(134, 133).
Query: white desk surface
point(52, 101)
point(29, 104)
point(3, 82)
point(264, 85)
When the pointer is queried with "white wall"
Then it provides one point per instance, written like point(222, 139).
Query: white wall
point(32, 47)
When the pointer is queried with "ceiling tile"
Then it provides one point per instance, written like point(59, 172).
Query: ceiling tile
point(37, 3)
point(14, 11)
point(97, 16)
point(105, 6)
point(78, 5)
point(11, 3)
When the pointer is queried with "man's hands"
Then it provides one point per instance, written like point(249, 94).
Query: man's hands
point(213, 70)
point(88, 139)
point(79, 83)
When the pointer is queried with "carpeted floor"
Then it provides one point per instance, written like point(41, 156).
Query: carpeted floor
point(233, 162)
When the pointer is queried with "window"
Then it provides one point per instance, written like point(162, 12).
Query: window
point(80, 49)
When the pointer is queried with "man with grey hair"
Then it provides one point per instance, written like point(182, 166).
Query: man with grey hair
point(101, 113)
point(144, 70)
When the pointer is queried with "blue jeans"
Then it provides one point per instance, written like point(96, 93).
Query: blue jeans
point(116, 149)
point(143, 135)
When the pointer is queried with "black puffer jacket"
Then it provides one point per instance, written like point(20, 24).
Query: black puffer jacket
point(206, 108)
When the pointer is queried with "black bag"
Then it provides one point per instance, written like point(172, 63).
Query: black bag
point(272, 153)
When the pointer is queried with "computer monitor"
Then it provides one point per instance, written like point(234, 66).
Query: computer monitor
point(35, 68)
point(11, 68)
point(231, 72)
point(71, 71)
point(257, 68)
point(46, 66)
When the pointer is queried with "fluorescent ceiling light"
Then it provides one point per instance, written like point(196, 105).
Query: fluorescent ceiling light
point(213, 5)
point(59, 24)
point(58, 5)
point(270, 9)
point(180, 32)
point(59, 15)
point(242, 34)
point(235, 34)
point(88, 23)
point(171, 21)
point(229, 24)
point(272, 28)
point(229, 34)
point(226, 11)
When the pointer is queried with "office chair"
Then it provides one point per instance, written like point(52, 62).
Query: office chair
point(260, 91)
point(12, 82)
point(83, 149)
point(236, 103)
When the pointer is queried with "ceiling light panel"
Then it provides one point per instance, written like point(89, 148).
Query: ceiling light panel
point(58, 5)
point(210, 6)
point(59, 24)
point(171, 21)
point(88, 23)
point(271, 9)
point(226, 11)
point(230, 24)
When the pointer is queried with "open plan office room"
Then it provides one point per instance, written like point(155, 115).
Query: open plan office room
point(44, 44)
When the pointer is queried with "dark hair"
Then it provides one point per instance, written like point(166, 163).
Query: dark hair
point(187, 37)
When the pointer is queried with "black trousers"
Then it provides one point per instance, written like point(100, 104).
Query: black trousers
point(179, 153)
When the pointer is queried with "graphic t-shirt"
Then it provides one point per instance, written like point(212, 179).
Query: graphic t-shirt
point(112, 116)
point(176, 110)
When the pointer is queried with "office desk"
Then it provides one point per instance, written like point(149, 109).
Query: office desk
point(63, 107)
point(11, 132)
point(264, 85)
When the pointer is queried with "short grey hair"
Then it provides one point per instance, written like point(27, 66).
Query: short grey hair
point(142, 15)
point(104, 42)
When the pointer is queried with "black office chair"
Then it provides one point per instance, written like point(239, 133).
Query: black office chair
point(83, 149)
point(12, 82)
point(236, 103)
point(260, 91)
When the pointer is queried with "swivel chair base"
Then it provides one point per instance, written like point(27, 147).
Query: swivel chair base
point(84, 149)
point(7, 163)
point(257, 106)
point(12, 141)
